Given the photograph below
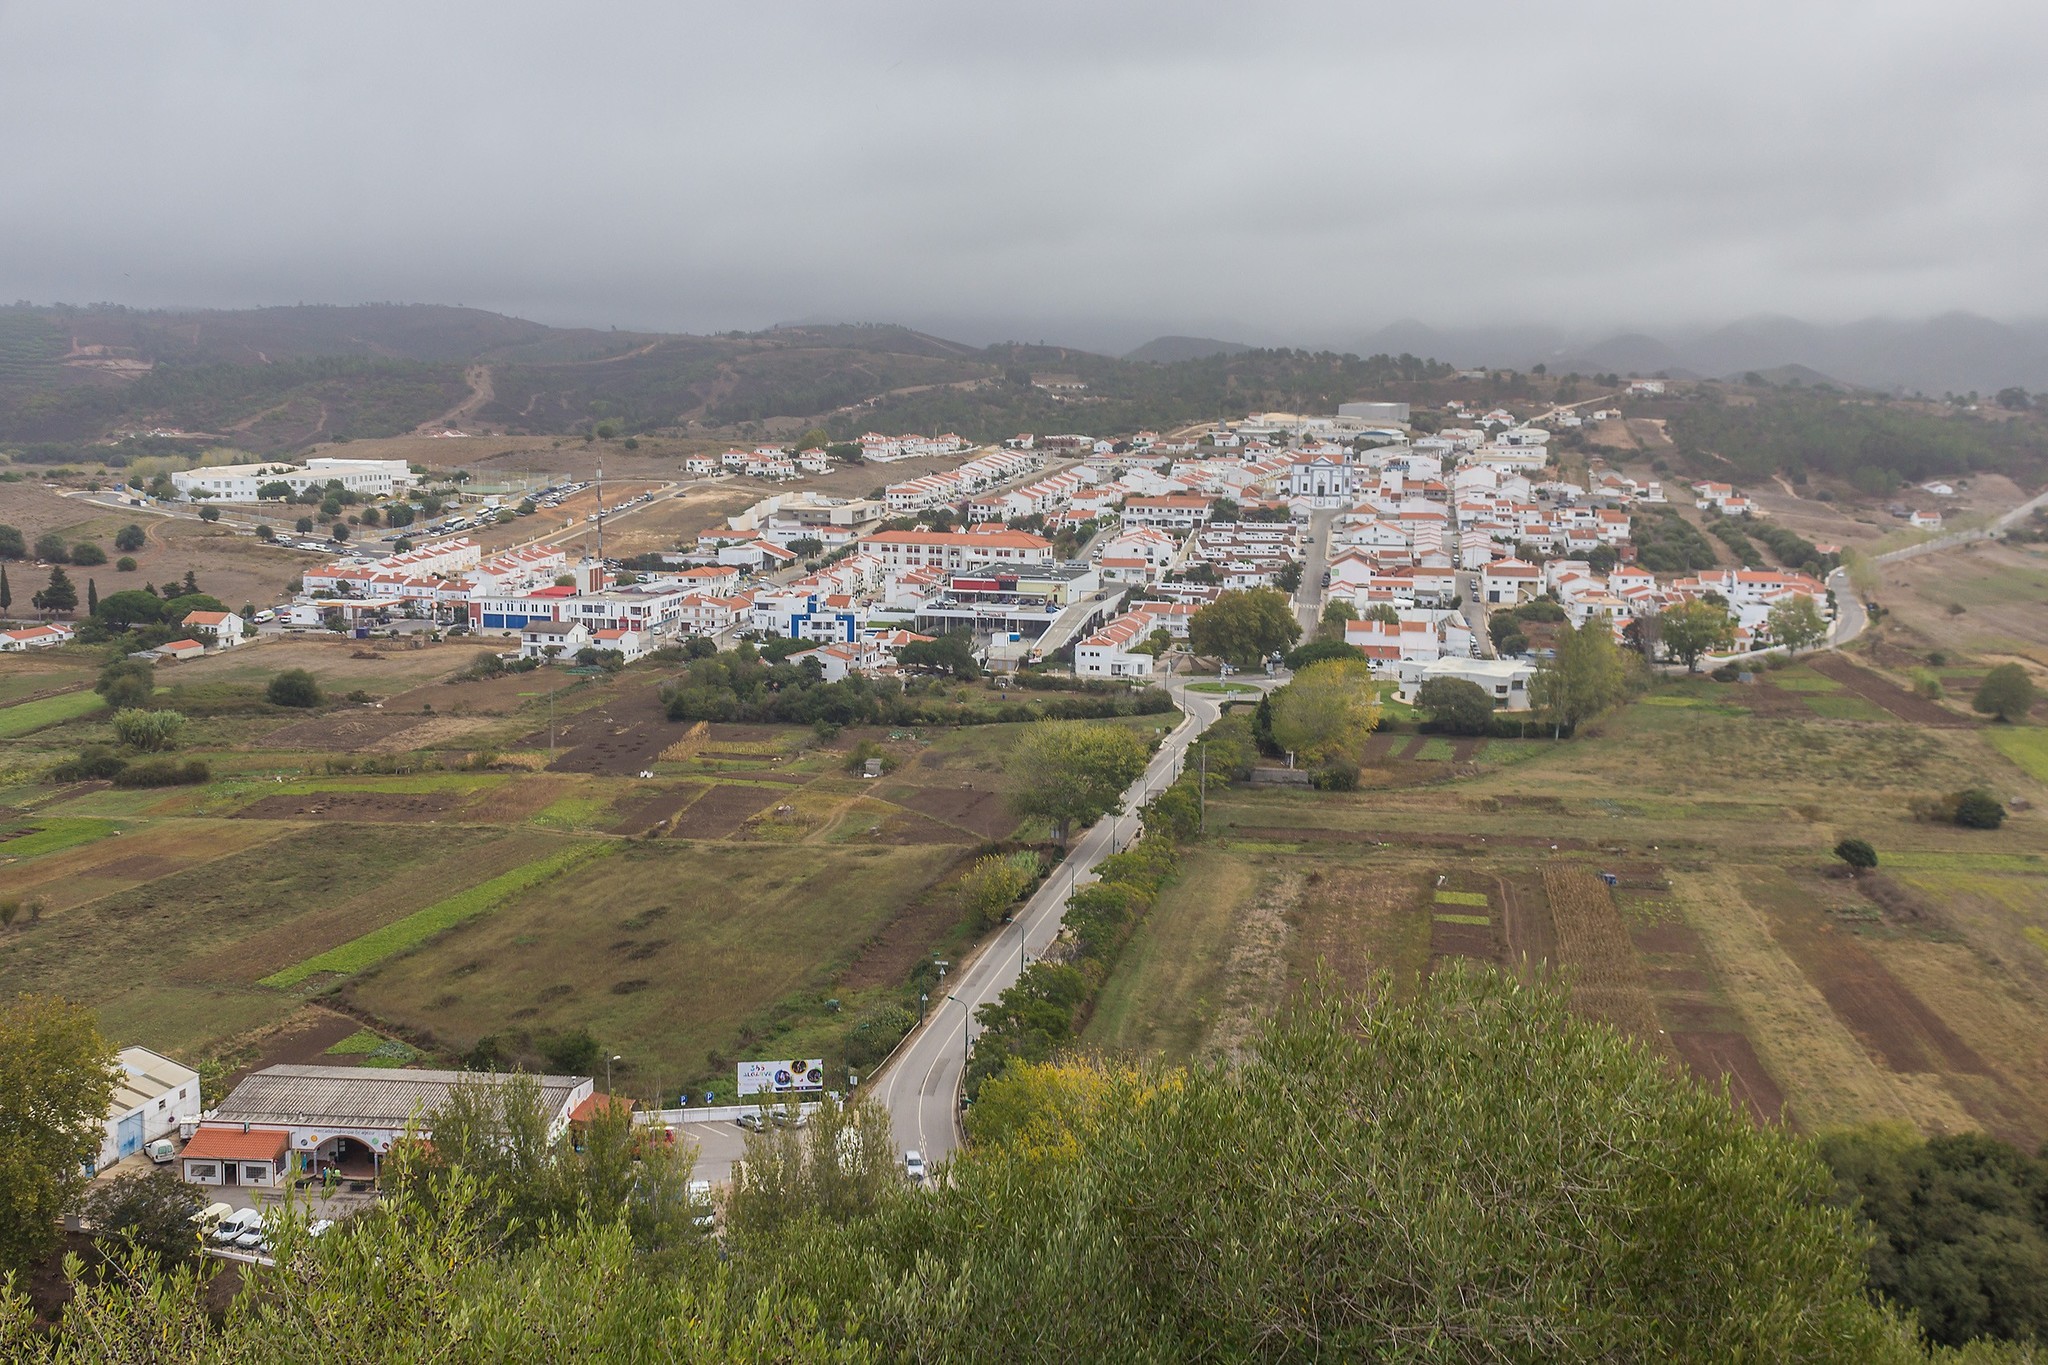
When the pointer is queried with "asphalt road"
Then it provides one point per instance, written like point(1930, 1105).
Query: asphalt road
point(1315, 557)
point(920, 1085)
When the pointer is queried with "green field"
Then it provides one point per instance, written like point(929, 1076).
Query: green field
point(1728, 941)
point(53, 836)
point(671, 952)
point(416, 928)
point(27, 717)
point(2024, 745)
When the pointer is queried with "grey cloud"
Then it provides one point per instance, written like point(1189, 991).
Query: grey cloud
point(1298, 171)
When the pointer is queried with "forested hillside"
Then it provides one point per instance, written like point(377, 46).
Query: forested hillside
point(1873, 444)
point(276, 379)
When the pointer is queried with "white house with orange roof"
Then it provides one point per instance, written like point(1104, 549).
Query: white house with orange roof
point(629, 641)
point(224, 629)
point(25, 638)
point(1111, 652)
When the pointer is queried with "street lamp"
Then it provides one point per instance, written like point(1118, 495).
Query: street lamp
point(966, 1018)
point(608, 1072)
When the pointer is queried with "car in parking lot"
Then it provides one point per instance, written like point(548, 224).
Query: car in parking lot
point(700, 1199)
point(234, 1226)
point(790, 1118)
point(753, 1120)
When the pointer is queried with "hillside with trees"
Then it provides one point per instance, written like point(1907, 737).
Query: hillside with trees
point(1475, 1173)
point(281, 378)
point(1876, 446)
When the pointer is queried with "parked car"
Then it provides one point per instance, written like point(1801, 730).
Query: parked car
point(753, 1120)
point(318, 1227)
point(913, 1166)
point(208, 1218)
point(790, 1118)
point(236, 1225)
point(700, 1199)
point(162, 1151)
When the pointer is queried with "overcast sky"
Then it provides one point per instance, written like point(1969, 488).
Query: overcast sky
point(1048, 169)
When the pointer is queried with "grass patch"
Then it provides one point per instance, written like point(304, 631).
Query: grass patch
point(1461, 898)
point(1681, 702)
point(1803, 680)
point(374, 1049)
point(29, 716)
point(1846, 708)
point(1463, 919)
point(1979, 862)
point(52, 836)
point(2026, 746)
point(573, 812)
point(1435, 750)
point(1173, 979)
point(361, 1043)
point(1229, 689)
point(681, 957)
point(1506, 751)
point(422, 925)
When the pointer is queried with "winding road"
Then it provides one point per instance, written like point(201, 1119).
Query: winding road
point(920, 1083)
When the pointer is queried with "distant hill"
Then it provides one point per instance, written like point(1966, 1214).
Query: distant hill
point(1168, 350)
point(1790, 376)
point(274, 380)
point(1953, 353)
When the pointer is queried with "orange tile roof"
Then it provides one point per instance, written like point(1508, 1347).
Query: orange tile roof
point(232, 1144)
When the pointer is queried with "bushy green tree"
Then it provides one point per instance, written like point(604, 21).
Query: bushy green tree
point(1337, 613)
point(1243, 628)
point(1797, 623)
point(1586, 675)
point(1455, 705)
point(151, 1213)
point(1857, 853)
point(1691, 629)
point(2006, 692)
point(1327, 712)
point(1320, 651)
point(1476, 1173)
point(1960, 1225)
point(994, 883)
point(56, 1076)
point(126, 682)
point(1977, 808)
point(293, 687)
point(1072, 772)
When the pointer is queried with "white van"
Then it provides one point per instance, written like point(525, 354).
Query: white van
point(163, 1151)
point(237, 1225)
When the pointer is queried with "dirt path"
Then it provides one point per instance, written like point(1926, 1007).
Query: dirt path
point(478, 377)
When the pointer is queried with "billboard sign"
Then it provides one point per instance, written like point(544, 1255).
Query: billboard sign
point(781, 1077)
